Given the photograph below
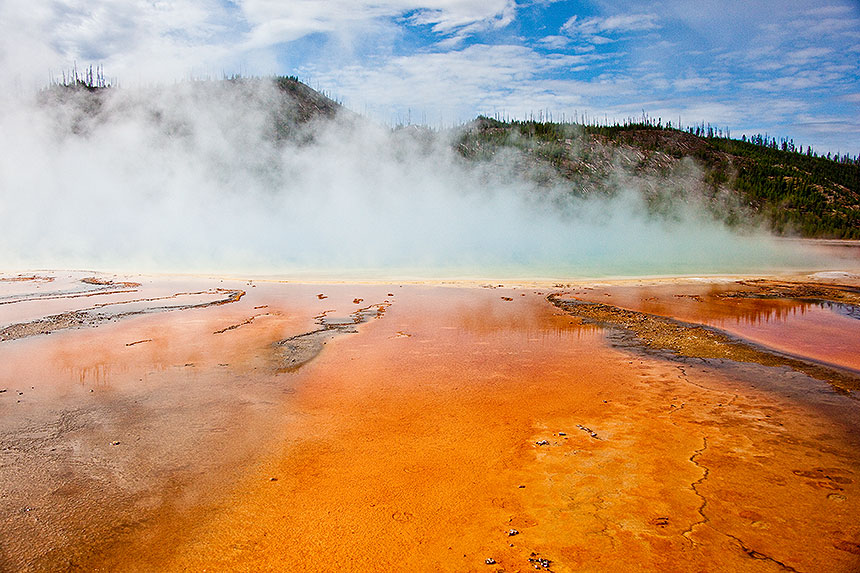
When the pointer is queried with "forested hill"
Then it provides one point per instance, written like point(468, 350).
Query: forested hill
point(792, 190)
point(760, 181)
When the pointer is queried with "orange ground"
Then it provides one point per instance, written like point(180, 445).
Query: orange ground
point(413, 445)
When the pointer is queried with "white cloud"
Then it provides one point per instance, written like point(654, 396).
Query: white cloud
point(136, 40)
point(554, 42)
point(618, 24)
point(726, 51)
point(452, 86)
point(146, 40)
point(450, 15)
point(273, 22)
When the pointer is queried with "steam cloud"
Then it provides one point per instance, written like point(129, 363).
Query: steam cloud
point(189, 178)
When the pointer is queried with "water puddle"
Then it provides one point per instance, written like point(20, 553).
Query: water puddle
point(823, 331)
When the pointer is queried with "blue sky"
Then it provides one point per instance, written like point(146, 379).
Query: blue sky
point(787, 68)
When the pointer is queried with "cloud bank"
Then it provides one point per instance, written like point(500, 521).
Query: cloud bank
point(780, 67)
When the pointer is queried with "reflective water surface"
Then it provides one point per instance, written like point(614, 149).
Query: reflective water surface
point(824, 331)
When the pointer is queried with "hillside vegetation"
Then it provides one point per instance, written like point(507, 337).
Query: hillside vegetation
point(739, 181)
point(742, 182)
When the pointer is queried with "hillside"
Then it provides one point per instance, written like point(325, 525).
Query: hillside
point(738, 181)
point(289, 104)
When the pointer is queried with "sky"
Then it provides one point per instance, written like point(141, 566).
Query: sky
point(787, 68)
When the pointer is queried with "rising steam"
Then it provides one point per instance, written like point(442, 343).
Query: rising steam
point(193, 178)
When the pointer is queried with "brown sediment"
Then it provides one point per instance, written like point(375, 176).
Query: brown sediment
point(821, 331)
point(45, 325)
point(296, 351)
point(812, 291)
point(26, 278)
point(100, 286)
point(108, 282)
point(90, 316)
point(245, 322)
point(659, 333)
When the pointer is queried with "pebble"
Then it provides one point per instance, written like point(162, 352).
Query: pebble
point(538, 562)
point(588, 431)
point(490, 561)
point(513, 532)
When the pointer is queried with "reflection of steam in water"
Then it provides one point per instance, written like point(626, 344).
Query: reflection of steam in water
point(785, 310)
point(771, 311)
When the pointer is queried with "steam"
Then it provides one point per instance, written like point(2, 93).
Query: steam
point(192, 178)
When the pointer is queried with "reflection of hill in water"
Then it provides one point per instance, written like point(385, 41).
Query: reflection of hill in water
point(784, 310)
point(772, 312)
point(848, 310)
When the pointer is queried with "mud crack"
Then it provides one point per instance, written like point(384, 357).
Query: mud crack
point(695, 487)
point(705, 520)
point(599, 505)
point(758, 555)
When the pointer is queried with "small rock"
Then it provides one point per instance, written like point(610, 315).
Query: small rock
point(513, 532)
point(490, 561)
point(538, 562)
point(357, 300)
point(321, 296)
point(542, 443)
point(273, 479)
point(114, 443)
